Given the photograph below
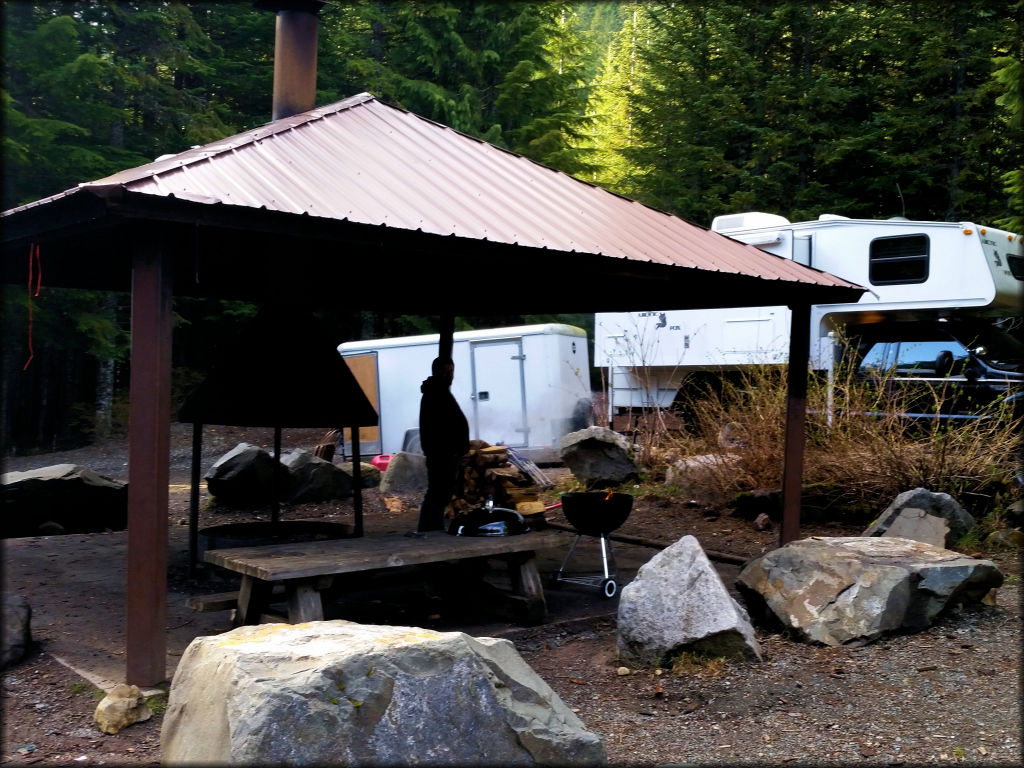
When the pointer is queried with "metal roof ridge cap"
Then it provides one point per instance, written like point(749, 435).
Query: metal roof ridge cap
point(107, 191)
point(44, 200)
point(236, 141)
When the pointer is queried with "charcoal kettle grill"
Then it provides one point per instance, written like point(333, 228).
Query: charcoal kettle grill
point(594, 513)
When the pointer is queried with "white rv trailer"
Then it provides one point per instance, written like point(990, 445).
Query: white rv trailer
point(913, 270)
point(522, 386)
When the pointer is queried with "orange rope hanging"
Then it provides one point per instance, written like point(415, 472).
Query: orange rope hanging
point(36, 265)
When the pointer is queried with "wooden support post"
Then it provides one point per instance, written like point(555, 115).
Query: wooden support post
point(253, 599)
point(148, 463)
point(447, 340)
point(796, 417)
point(304, 602)
point(193, 500)
point(357, 484)
point(275, 480)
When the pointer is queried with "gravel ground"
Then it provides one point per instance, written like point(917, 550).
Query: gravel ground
point(948, 694)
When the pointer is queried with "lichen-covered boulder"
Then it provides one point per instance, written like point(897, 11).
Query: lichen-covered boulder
point(923, 515)
point(340, 693)
point(406, 474)
point(314, 479)
point(678, 602)
point(598, 457)
point(61, 498)
point(244, 477)
point(851, 590)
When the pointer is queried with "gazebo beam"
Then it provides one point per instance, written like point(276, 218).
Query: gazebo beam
point(148, 463)
point(796, 418)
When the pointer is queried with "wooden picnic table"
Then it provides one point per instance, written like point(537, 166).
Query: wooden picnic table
point(306, 569)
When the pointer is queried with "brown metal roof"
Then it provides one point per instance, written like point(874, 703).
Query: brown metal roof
point(363, 161)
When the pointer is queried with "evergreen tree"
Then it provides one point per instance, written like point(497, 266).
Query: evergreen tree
point(801, 108)
point(611, 133)
point(1010, 76)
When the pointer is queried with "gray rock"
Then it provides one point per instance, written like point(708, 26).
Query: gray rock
point(1015, 513)
point(678, 602)
point(16, 637)
point(62, 498)
point(935, 504)
point(1008, 538)
point(406, 473)
point(693, 468)
point(340, 693)
point(244, 477)
point(598, 457)
point(918, 525)
point(314, 479)
point(852, 590)
point(369, 474)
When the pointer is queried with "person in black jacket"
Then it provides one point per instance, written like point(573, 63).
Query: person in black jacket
point(444, 438)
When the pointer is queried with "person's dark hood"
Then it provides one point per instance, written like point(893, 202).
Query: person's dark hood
point(432, 384)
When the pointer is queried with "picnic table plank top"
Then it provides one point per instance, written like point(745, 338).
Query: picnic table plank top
point(278, 562)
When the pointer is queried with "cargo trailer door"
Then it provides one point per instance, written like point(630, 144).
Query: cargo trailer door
point(364, 369)
point(499, 393)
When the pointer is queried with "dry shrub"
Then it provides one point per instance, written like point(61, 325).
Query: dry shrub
point(858, 454)
point(696, 664)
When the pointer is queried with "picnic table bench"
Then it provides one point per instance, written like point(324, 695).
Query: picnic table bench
point(306, 569)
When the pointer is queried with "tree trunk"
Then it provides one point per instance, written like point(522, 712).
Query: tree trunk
point(105, 377)
point(104, 397)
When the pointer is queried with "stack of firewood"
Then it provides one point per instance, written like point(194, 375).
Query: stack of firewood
point(487, 472)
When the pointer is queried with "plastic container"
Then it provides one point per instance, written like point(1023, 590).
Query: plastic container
point(381, 461)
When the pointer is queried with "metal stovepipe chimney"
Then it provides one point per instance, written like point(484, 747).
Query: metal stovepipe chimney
point(295, 45)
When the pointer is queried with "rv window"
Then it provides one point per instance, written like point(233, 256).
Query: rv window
point(896, 260)
point(1016, 264)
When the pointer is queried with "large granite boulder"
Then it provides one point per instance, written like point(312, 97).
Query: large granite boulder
point(406, 474)
point(340, 693)
point(852, 590)
point(16, 634)
point(678, 602)
point(598, 457)
point(923, 515)
point(62, 498)
point(244, 477)
point(314, 479)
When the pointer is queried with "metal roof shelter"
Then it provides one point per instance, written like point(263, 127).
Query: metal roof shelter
point(368, 205)
point(306, 189)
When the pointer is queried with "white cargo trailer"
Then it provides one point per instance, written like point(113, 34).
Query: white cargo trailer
point(522, 386)
point(923, 271)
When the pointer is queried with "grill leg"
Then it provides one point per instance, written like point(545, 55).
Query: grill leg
point(607, 556)
point(568, 555)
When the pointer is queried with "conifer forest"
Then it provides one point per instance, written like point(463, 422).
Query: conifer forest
point(861, 108)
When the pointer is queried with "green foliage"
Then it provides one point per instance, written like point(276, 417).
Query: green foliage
point(863, 109)
point(157, 703)
point(513, 73)
point(81, 686)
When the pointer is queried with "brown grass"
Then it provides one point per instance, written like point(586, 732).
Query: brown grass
point(852, 462)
